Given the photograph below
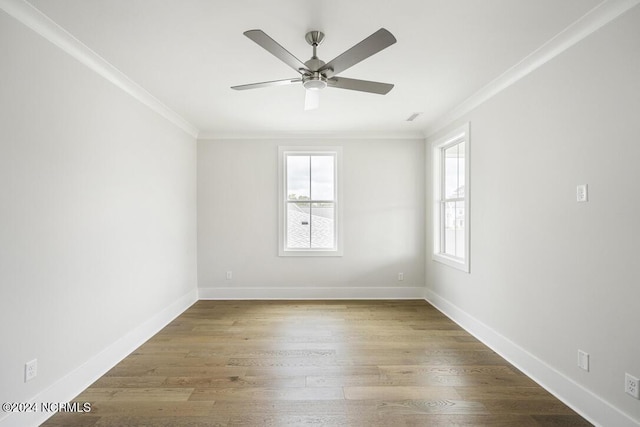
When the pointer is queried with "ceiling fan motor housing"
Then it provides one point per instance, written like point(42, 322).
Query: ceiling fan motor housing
point(315, 81)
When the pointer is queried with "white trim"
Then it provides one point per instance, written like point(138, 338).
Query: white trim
point(593, 20)
point(312, 293)
point(310, 135)
point(76, 381)
point(460, 134)
point(40, 23)
point(593, 408)
point(336, 152)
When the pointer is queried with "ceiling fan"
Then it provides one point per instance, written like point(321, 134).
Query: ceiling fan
point(315, 74)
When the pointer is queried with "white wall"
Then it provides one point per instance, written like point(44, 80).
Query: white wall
point(549, 274)
point(97, 213)
point(383, 184)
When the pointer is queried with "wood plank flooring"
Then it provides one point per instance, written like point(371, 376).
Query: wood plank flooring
point(321, 363)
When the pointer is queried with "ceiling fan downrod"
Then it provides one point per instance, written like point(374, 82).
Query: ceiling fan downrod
point(312, 78)
point(314, 38)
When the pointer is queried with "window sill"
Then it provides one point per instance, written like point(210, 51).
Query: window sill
point(305, 253)
point(457, 263)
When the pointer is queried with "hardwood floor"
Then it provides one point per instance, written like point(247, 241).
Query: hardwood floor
point(322, 363)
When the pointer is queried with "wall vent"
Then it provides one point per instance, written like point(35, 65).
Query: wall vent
point(413, 117)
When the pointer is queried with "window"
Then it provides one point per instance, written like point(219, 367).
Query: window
point(451, 199)
point(310, 201)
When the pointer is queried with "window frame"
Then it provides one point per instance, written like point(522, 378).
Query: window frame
point(283, 152)
point(455, 137)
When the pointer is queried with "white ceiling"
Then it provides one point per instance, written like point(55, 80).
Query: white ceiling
point(187, 53)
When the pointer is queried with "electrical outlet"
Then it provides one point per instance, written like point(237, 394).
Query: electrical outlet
point(229, 275)
point(400, 277)
point(631, 386)
point(583, 360)
point(582, 193)
point(30, 370)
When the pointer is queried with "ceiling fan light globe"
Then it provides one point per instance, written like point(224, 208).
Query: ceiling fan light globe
point(315, 84)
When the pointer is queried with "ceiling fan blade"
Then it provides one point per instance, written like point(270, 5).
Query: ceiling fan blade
point(267, 84)
point(359, 85)
point(373, 44)
point(311, 99)
point(271, 46)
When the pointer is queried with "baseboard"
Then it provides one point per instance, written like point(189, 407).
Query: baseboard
point(317, 293)
point(590, 406)
point(69, 386)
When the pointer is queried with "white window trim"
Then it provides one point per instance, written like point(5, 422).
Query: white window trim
point(458, 135)
point(282, 184)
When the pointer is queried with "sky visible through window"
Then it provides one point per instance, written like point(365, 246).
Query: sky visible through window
point(454, 171)
point(310, 178)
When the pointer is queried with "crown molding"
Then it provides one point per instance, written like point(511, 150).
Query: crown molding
point(596, 18)
point(209, 135)
point(37, 21)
